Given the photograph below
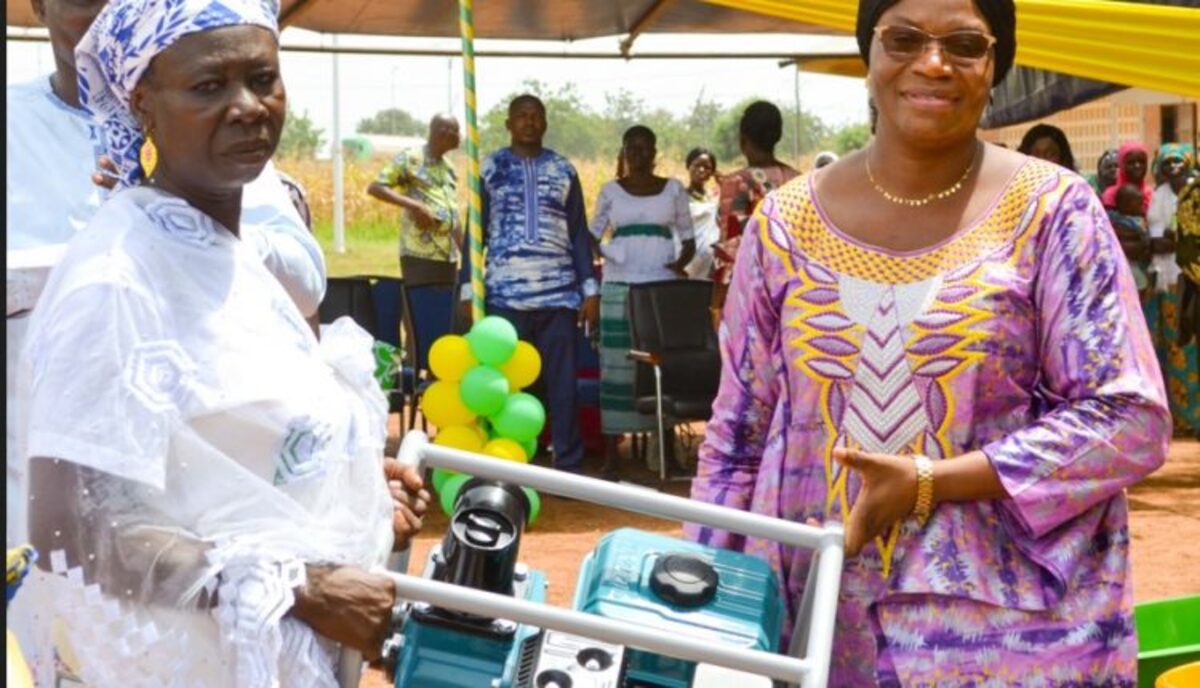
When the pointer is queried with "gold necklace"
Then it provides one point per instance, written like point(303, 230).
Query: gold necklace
point(918, 202)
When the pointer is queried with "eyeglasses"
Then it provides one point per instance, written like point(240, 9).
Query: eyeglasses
point(907, 43)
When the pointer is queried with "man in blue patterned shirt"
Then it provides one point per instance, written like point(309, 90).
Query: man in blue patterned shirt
point(538, 272)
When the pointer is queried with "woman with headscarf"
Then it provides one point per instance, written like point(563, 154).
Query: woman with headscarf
point(1133, 162)
point(207, 488)
point(1048, 142)
point(1175, 164)
point(934, 341)
point(824, 158)
point(637, 220)
point(1106, 171)
point(51, 194)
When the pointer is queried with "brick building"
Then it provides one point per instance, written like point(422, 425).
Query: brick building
point(1134, 114)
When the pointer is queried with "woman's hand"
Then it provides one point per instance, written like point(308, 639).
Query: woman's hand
point(106, 173)
point(888, 494)
point(347, 605)
point(410, 499)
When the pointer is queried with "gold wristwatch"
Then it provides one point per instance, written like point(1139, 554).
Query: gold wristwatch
point(924, 505)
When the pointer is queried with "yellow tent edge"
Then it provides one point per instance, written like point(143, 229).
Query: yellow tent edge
point(1059, 35)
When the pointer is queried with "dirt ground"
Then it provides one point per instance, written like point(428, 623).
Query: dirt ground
point(1164, 522)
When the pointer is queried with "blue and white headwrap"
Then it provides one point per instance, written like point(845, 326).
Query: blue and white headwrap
point(118, 48)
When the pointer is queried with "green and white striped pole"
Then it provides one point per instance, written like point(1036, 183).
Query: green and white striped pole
point(466, 23)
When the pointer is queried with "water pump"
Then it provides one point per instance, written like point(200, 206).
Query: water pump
point(649, 611)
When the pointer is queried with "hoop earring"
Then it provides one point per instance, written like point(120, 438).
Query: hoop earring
point(148, 156)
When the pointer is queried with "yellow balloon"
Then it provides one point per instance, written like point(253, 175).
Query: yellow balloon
point(443, 405)
point(523, 368)
point(483, 435)
point(504, 448)
point(450, 358)
point(461, 437)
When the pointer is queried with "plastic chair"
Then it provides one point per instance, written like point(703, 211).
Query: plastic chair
point(1168, 636)
point(388, 295)
point(679, 363)
point(429, 312)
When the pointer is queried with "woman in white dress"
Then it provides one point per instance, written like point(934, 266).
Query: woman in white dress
point(703, 199)
point(646, 214)
point(207, 486)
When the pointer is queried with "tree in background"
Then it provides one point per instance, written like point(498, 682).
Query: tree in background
point(392, 122)
point(579, 132)
point(574, 130)
point(300, 138)
point(848, 138)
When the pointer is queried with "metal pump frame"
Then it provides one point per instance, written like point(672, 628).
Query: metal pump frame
point(808, 665)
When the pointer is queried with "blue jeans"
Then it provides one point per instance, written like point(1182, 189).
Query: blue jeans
point(552, 333)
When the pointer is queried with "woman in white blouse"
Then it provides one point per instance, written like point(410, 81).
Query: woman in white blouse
point(645, 213)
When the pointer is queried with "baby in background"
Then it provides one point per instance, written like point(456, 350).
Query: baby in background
point(1129, 221)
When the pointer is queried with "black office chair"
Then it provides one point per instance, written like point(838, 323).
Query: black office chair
point(679, 363)
point(349, 296)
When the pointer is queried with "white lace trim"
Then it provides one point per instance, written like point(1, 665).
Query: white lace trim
point(254, 594)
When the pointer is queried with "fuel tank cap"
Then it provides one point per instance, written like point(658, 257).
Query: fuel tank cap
point(685, 580)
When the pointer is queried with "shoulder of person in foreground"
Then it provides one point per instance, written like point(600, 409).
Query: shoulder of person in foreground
point(288, 248)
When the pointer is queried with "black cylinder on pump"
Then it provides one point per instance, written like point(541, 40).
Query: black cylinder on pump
point(481, 546)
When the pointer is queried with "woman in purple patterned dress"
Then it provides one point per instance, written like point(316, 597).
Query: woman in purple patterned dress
point(937, 313)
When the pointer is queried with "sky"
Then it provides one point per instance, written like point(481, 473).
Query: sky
point(426, 85)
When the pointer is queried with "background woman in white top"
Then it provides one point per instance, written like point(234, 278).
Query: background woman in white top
point(703, 199)
point(645, 213)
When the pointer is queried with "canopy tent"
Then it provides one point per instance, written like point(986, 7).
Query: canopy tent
point(564, 20)
point(1127, 43)
point(1028, 93)
point(1139, 43)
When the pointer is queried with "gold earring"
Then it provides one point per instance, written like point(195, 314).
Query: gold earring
point(148, 156)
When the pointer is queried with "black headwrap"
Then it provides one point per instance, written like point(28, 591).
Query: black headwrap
point(1001, 16)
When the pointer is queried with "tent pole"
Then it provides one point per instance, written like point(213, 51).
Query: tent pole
point(642, 24)
point(339, 191)
point(796, 136)
point(466, 24)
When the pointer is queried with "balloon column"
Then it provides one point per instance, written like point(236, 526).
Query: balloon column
point(477, 403)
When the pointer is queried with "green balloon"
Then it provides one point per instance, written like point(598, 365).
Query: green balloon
point(440, 476)
point(535, 505)
point(449, 492)
point(484, 390)
point(493, 340)
point(521, 419)
point(530, 448)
